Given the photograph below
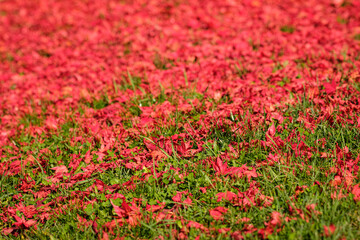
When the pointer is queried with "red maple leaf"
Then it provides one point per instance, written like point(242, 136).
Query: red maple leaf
point(219, 166)
point(217, 213)
point(20, 222)
point(330, 87)
point(177, 197)
point(118, 210)
point(271, 131)
point(229, 196)
point(356, 192)
point(275, 219)
point(329, 230)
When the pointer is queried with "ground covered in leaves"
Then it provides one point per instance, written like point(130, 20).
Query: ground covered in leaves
point(155, 119)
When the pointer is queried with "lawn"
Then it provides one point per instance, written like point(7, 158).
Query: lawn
point(160, 119)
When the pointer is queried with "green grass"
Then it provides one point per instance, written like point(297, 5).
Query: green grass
point(278, 181)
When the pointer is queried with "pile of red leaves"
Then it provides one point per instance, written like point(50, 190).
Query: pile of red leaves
point(120, 72)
